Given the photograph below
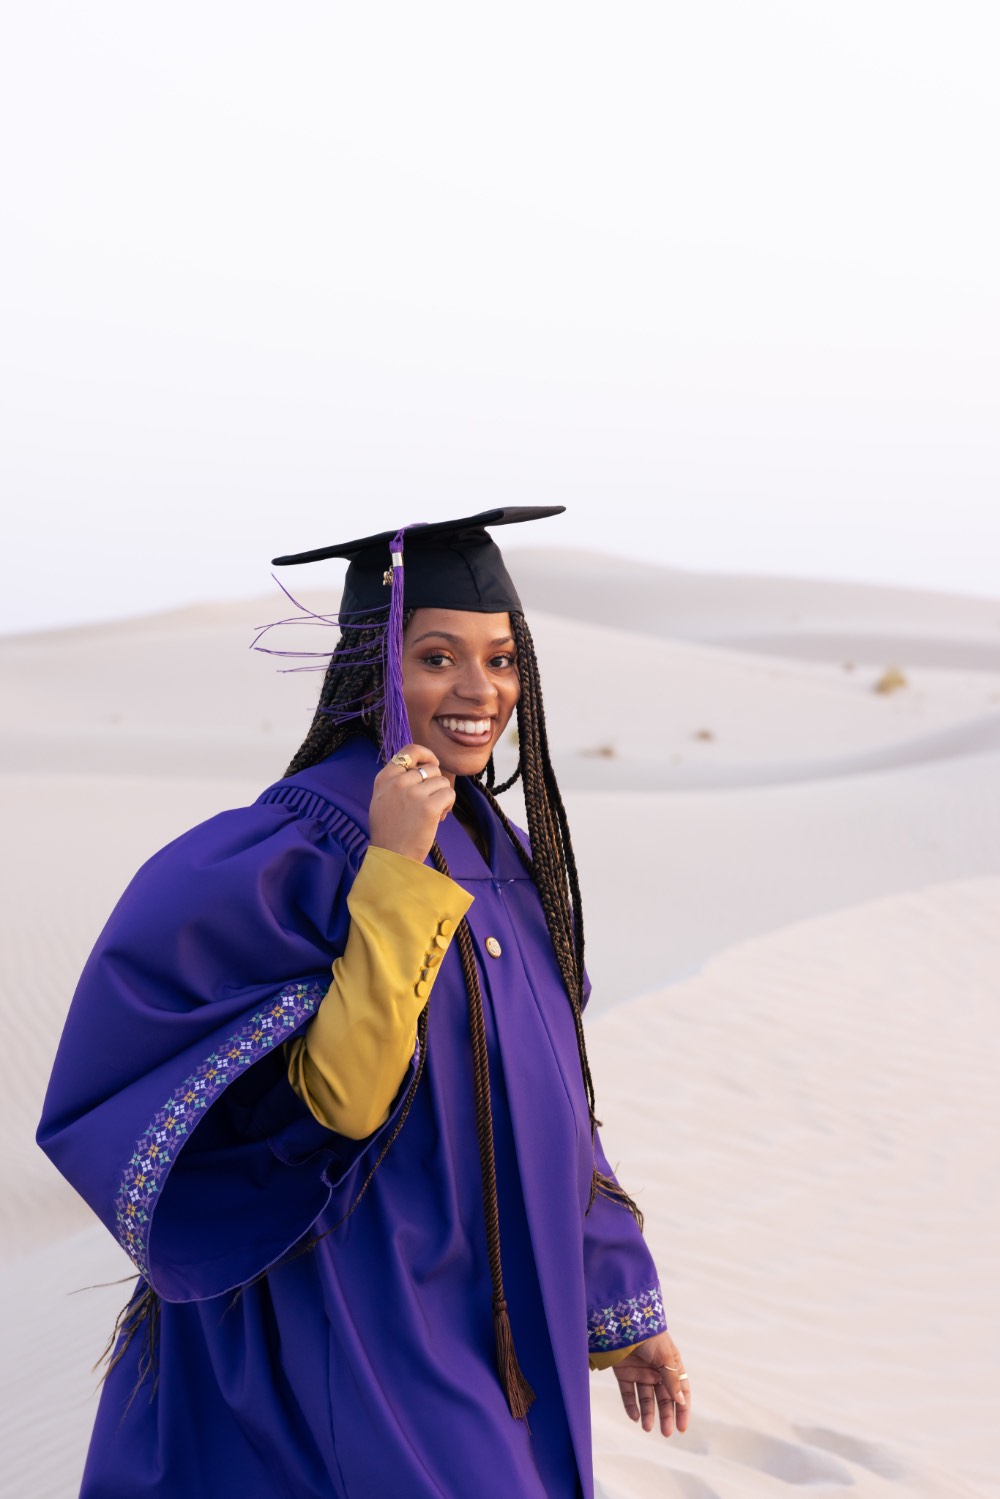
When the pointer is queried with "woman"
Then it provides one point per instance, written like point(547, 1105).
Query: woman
point(384, 1258)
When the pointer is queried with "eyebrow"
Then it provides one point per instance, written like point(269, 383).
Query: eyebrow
point(457, 639)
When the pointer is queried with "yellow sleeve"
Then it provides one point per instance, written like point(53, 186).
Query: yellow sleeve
point(612, 1357)
point(348, 1063)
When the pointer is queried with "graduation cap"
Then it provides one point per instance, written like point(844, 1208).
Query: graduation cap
point(452, 564)
point(449, 564)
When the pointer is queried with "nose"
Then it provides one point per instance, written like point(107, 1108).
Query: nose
point(476, 688)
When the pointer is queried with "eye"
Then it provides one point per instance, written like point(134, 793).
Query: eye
point(503, 661)
point(436, 658)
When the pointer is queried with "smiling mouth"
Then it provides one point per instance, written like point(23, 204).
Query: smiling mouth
point(467, 730)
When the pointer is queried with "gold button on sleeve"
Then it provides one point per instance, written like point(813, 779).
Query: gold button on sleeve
point(422, 989)
point(441, 942)
point(445, 927)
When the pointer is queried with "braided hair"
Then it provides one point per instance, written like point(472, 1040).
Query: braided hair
point(350, 696)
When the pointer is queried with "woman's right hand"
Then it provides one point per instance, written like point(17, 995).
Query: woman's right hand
point(406, 807)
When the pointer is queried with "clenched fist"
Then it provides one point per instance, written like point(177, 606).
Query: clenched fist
point(407, 805)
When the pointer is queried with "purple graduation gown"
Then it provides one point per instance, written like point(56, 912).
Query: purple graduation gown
point(364, 1367)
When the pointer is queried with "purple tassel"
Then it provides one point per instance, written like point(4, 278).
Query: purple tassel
point(395, 722)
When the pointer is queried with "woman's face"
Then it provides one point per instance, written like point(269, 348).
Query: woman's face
point(460, 683)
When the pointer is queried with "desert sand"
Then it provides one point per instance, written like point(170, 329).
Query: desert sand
point(792, 888)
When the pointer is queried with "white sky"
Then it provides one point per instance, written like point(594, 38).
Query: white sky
point(720, 277)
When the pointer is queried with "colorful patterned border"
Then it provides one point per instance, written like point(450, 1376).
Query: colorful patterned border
point(157, 1149)
point(631, 1320)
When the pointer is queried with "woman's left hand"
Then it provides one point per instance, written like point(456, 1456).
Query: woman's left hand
point(648, 1378)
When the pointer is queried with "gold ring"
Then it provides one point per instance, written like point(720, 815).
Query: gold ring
point(682, 1376)
point(403, 759)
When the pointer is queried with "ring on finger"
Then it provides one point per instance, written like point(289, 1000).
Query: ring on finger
point(422, 773)
point(403, 759)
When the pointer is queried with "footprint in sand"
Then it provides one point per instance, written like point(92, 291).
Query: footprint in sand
point(879, 1460)
point(787, 1462)
point(791, 1462)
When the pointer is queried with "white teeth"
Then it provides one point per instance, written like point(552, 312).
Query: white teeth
point(467, 725)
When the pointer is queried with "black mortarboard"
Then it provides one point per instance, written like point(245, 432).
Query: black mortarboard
point(448, 564)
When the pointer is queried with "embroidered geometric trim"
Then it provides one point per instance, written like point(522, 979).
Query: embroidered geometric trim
point(631, 1320)
point(157, 1148)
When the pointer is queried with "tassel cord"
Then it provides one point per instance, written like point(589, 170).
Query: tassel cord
point(520, 1395)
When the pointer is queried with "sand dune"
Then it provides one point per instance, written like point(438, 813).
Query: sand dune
point(801, 617)
point(811, 1124)
point(811, 867)
point(712, 868)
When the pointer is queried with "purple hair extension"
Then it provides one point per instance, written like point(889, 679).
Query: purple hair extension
point(386, 652)
point(395, 721)
point(347, 655)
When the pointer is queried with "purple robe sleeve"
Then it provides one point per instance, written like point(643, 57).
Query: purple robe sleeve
point(624, 1302)
point(169, 1107)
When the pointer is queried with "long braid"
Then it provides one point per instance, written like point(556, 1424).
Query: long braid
point(138, 1318)
point(551, 852)
point(552, 866)
point(346, 684)
point(520, 1395)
